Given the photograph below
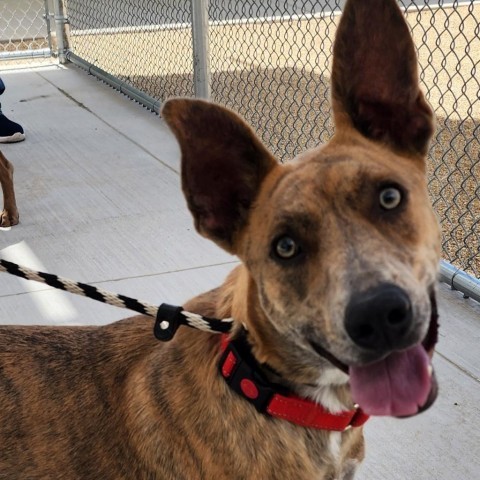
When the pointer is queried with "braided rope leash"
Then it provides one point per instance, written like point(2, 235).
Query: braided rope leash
point(168, 317)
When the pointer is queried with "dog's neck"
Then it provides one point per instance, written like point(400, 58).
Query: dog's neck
point(249, 379)
point(239, 300)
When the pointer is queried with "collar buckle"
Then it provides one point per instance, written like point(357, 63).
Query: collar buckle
point(240, 370)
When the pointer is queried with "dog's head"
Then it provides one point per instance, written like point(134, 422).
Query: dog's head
point(341, 246)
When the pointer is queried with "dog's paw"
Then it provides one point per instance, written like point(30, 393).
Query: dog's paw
point(8, 219)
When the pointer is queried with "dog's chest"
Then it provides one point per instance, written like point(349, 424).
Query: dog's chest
point(340, 465)
point(334, 446)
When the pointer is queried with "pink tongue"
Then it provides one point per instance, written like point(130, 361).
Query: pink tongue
point(397, 385)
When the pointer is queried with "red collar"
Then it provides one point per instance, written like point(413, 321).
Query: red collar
point(240, 370)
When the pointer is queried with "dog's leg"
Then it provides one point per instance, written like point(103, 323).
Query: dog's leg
point(9, 214)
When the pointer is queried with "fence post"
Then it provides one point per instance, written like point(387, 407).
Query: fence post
point(60, 29)
point(49, 26)
point(201, 53)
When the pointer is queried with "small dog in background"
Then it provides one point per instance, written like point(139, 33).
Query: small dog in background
point(9, 215)
point(333, 302)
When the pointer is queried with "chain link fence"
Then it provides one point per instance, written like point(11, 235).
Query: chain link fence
point(25, 29)
point(144, 43)
point(271, 62)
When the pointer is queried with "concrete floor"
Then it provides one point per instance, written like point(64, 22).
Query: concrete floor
point(99, 198)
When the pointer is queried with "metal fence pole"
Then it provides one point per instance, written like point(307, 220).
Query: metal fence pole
point(201, 53)
point(49, 26)
point(60, 23)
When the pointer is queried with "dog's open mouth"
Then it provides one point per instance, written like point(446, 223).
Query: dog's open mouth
point(401, 384)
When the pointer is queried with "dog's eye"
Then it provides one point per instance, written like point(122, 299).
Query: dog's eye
point(390, 198)
point(286, 247)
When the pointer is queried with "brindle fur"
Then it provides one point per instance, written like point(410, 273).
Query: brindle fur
point(9, 215)
point(113, 403)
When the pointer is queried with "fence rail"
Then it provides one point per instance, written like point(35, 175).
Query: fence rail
point(271, 60)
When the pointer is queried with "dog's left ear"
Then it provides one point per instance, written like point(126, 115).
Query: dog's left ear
point(223, 166)
point(375, 84)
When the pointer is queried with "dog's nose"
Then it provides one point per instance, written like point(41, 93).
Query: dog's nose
point(379, 318)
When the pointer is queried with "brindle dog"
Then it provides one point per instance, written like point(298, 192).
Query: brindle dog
point(9, 215)
point(334, 295)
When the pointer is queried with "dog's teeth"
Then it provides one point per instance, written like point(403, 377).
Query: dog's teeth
point(430, 370)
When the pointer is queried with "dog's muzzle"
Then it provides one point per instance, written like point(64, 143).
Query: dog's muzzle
point(401, 381)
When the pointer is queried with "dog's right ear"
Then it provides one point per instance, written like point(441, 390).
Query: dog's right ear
point(223, 166)
point(375, 84)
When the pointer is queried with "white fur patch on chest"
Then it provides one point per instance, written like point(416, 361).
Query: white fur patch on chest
point(324, 393)
point(335, 446)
